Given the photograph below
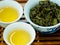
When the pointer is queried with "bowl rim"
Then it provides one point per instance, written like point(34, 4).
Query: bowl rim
point(34, 23)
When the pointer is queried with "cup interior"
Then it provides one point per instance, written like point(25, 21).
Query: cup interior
point(19, 25)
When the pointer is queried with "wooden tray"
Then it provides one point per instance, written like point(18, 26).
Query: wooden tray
point(41, 39)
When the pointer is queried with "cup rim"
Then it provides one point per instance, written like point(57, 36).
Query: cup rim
point(20, 14)
point(32, 39)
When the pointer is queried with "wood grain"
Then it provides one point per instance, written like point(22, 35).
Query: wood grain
point(22, 1)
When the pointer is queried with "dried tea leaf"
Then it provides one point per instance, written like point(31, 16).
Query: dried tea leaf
point(46, 13)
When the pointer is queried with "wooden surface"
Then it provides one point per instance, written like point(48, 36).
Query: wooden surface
point(41, 39)
point(22, 1)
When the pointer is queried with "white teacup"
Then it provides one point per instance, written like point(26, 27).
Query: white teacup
point(19, 25)
point(28, 6)
point(14, 4)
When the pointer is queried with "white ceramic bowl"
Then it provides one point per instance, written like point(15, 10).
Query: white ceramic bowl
point(13, 4)
point(19, 25)
point(32, 3)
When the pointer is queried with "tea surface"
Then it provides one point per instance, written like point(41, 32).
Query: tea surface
point(19, 37)
point(8, 14)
